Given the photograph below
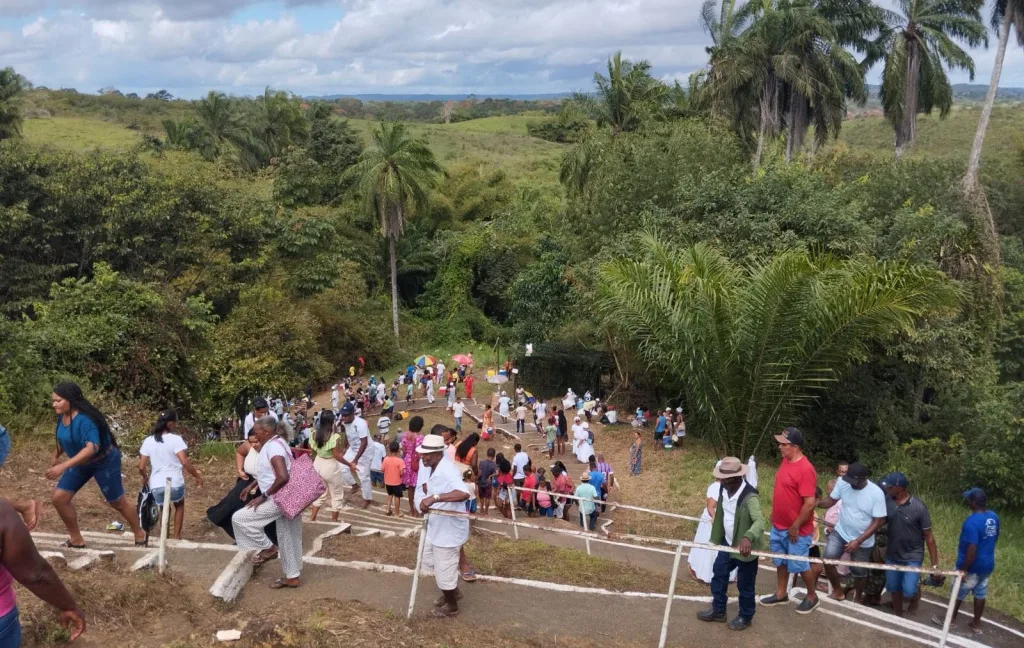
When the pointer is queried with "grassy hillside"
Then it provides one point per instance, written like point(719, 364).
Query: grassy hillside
point(79, 133)
point(950, 137)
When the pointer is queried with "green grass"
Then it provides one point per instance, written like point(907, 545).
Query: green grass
point(499, 142)
point(944, 138)
point(683, 479)
point(78, 133)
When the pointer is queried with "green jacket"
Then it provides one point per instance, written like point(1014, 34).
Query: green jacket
point(748, 522)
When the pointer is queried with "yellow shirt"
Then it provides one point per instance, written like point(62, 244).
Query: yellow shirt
point(325, 452)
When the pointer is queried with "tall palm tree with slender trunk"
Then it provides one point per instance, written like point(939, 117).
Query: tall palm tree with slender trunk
point(393, 176)
point(12, 85)
point(1005, 14)
point(919, 46)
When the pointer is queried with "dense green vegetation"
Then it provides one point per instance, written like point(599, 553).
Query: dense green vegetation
point(191, 254)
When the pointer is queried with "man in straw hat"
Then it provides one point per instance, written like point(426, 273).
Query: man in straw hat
point(445, 490)
point(737, 524)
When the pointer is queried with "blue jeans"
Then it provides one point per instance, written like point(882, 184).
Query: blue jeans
point(592, 521)
point(976, 584)
point(899, 581)
point(458, 424)
point(177, 494)
point(746, 576)
point(778, 541)
point(10, 630)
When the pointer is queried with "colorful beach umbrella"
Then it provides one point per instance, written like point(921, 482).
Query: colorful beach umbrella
point(462, 359)
point(425, 361)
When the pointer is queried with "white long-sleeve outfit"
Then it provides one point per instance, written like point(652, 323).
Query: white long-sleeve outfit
point(355, 432)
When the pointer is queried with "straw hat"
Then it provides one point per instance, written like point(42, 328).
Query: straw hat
point(431, 443)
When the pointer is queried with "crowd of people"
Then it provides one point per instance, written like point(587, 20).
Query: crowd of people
point(862, 521)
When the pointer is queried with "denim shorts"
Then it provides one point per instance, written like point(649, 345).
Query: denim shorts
point(106, 470)
point(5, 445)
point(177, 494)
point(900, 581)
point(835, 547)
point(976, 583)
point(779, 542)
point(10, 630)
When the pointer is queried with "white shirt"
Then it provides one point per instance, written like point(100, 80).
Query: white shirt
point(377, 455)
point(354, 431)
point(440, 369)
point(521, 413)
point(447, 531)
point(518, 463)
point(334, 397)
point(577, 427)
point(540, 409)
point(164, 458)
point(250, 462)
point(458, 408)
point(384, 424)
point(729, 512)
point(250, 421)
point(275, 447)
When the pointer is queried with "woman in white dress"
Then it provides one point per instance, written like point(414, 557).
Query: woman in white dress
point(702, 561)
point(581, 442)
point(503, 407)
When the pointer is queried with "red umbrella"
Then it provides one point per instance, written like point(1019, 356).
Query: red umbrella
point(462, 359)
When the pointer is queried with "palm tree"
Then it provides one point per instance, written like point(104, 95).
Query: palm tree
point(218, 115)
point(393, 177)
point(625, 98)
point(279, 123)
point(11, 86)
point(753, 347)
point(921, 42)
point(1005, 13)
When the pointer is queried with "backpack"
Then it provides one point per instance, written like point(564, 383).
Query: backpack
point(149, 512)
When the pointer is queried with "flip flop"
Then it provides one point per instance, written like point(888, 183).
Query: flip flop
point(67, 543)
point(469, 576)
point(259, 559)
point(281, 583)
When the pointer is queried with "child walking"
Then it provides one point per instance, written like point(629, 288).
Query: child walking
point(471, 485)
point(392, 467)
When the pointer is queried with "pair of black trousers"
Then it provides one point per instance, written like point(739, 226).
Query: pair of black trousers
point(220, 513)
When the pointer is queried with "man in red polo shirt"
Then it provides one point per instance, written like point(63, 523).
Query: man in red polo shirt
point(792, 528)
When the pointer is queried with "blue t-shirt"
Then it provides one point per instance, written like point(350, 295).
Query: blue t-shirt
point(661, 424)
point(72, 438)
point(597, 480)
point(981, 529)
point(859, 508)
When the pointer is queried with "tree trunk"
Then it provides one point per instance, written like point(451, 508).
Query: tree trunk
point(392, 240)
point(974, 162)
point(907, 129)
point(798, 112)
point(769, 116)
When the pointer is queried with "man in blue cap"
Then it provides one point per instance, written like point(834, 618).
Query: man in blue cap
point(909, 530)
point(975, 555)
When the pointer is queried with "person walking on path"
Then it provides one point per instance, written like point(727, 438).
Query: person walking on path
point(469, 386)
point(503, 403)
point(357, 458)
point(272, 473)
point(445, 491)
point(975, 555)
point(167, 453)
point(488, 422)
point(738, 524)
point(487, 470)
point(411, 439)
point(458, 409)
point(909, 528)
point(563, 431)
point(636, 453)
point(83, 435)
point(792, 528)
point(328, 457)
point(587, 508)
point(521, 418)
point(392, 467)
point(864, 511)
point(519, 461)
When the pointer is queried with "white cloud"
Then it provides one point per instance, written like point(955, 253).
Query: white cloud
point(335, 46)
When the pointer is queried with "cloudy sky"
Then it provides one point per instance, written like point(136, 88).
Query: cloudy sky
point(358, 46)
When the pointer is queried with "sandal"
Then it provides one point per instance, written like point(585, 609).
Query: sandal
point(442, 613)
point(261, 558)
point(281, 583)
point(69, 545)
point(468, 576)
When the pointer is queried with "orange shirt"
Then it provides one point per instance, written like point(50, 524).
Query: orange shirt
point(392, 468)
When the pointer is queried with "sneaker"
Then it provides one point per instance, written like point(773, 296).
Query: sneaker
point(739, 623)
point(711, 615)
point(808, 605)
point(773, 599)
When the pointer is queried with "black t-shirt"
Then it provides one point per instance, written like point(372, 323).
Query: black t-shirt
point(907, 524)
point(487, 469)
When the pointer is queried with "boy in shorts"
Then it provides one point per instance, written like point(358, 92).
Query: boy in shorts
point(551, 433)
point(392, 468)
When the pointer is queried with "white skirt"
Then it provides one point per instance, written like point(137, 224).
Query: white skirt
point(702, 561)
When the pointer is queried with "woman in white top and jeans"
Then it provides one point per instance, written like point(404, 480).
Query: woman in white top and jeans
point(166, 451)
point(272, 472)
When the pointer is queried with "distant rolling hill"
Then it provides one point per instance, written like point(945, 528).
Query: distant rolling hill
point(442, 97)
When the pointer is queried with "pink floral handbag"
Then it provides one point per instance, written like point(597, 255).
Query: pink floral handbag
point(303, 488)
